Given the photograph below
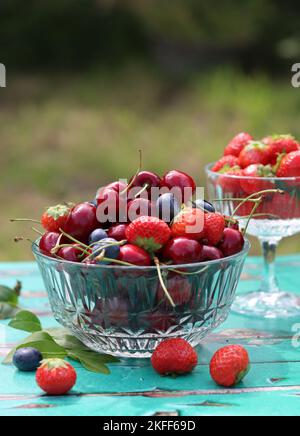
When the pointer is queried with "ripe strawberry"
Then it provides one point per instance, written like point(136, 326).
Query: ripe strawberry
point(149, 233)
point(290, 165)
point(55, 217)
point(254, 153)
point(174, 357)
point(252, 182)
point(281, 144)
point(230, 180)
point(189, 223)
point(213, 228)
point(226, 161)
point(229, 365)
point(237, 144)
point(56, 376)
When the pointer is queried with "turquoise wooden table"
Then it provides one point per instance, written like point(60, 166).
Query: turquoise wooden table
point(271, 388)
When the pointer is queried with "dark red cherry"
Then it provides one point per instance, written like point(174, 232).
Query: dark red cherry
point(114, 209)
point(138, 207)
point(48, 242)
point(82, 221)
point(71, 254)
point(118, 232)
point(232, 243)
point(146, 178)
point(117, 186)
point(183, 251)
point(178, 179)
point(179, 288)
point(135, 255)
point(211, 253)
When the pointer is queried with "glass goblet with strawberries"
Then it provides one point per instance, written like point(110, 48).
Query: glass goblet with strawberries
point(261, 180)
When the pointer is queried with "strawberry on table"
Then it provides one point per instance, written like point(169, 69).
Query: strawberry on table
point(237, 144)
point(230, 365)
point(149, 233)
point(281, 144)
point(226, 161)
point(290, 165)
point(252, 181)
point(55, 217)
point(254, 153)
point(56, 376)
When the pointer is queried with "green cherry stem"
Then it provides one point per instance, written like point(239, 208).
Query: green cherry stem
point(135, 176)
point(144, 188)
point(16, 220)
point(157, 263)
point(260, 194)
point(73, 239)
point(102, 249)
point(251, 215)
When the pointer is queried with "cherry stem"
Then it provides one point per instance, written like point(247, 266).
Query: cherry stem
point(251, 215)
point(37, 231)
point(73, 239)
point(15, 220)
point(118, 262)
point(144, 188)
point(252, 196)
point(177, 271)
point(101, 249)
point(134, 177)
point(157, 263)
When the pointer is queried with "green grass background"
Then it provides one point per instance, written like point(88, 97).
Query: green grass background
point(61, 137)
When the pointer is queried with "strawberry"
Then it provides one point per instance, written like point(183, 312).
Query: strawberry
point(226, 161)
point(174, 357)
point(281, 144)
point(56, 376)
point(252, 181)
point(254, 153)
point(55, 217)
point(290, 165)
point(230, 180)
point(229, 365)
point(149, 233)
point(189, 223)
point(213, 228)
point(237, 144)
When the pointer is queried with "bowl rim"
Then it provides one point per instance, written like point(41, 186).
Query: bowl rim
point(209, 166)
point(37, 253)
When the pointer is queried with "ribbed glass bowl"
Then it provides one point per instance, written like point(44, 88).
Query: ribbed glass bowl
point(123, 310)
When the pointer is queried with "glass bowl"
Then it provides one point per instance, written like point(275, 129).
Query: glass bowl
point(277, 217)
point(123, 310)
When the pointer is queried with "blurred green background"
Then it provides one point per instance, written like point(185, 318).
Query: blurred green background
point(89, 82)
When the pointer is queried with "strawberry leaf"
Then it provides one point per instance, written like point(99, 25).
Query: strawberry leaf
point(26, 321)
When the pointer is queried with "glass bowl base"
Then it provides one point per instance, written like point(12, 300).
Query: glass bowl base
point(268, 305)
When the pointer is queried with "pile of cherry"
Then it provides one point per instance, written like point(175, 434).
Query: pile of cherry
point(73, 232)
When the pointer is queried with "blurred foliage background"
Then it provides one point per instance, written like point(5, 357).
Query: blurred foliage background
point(89, 82)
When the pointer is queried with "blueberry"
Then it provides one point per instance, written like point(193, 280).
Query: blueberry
point(112, 252)
point(204, 205)
point(167, 207)
point(94, 203)
point(97, 235)
point(27, 359)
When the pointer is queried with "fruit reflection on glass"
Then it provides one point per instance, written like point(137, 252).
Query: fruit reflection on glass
point(247, 168)
point(135, 266)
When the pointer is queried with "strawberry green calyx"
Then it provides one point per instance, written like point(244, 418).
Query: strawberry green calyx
point(242, 375)
point(148, 244)
point(265, 171)
point(255, 145)
point(54, 364)
point(58, 211)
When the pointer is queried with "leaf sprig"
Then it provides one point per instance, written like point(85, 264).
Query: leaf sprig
point(9, 300)
point(56, 343)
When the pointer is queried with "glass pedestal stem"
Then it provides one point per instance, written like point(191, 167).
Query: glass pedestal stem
point(269, 248)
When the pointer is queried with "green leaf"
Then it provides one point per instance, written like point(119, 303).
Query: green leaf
point(26, 321)
point(91, 361)
point(8, 311)
point(8, 295)
point(43, 342)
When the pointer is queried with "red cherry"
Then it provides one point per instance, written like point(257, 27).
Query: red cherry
point(179, 288)
point(48, 242)
point(138, 207)
point(146, 178)
point(118, 232)
point(211, 253)
point(82, 221)
point(135, 255)
point(183, 250)
point(232, 243)
point(71, 254)
point(115, 206)
point(117, 186)
point(156, 321)
point(178, 179)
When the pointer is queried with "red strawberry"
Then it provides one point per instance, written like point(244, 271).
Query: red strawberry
point(149, 233)
point(254, 153)
point(55, 217)
point(189, 223)
point(226, 161)
point(290, 165)
point(229, 365)
point(252, 182)
point(237, 144)
point(179, 288)
point(56, 376)
point(281, 144)
point(213, 228)
point(174, 357)
point(230, 180)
